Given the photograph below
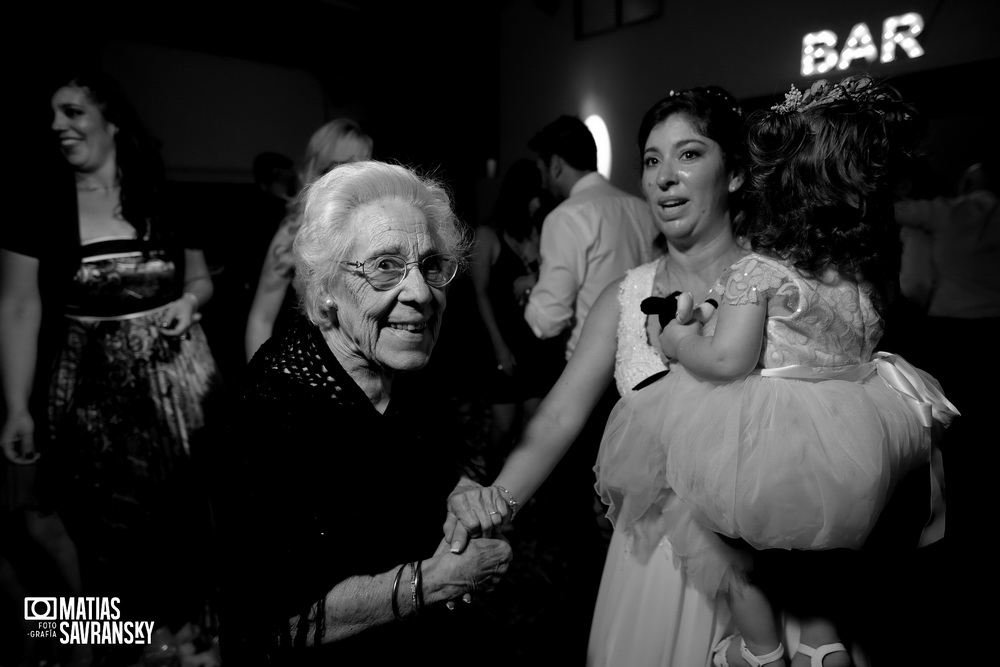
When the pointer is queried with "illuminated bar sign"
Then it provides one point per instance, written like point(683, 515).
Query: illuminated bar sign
point(820, 55)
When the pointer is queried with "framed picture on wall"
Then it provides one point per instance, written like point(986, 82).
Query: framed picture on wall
point(596, 17)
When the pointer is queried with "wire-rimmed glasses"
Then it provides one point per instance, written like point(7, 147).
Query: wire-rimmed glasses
point(383, 272)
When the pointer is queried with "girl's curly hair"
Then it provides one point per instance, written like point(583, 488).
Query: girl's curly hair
point(824, 169)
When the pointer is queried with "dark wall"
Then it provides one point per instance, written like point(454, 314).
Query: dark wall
point(751, 48)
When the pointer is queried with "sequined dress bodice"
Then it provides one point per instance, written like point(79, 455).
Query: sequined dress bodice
point(118, 277)
point(816, 322)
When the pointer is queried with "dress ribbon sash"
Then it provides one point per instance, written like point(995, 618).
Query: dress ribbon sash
point(923, 398)
point(926, 401)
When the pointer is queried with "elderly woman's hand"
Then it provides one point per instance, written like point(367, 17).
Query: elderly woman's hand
point(477, 511)
point(448, 576)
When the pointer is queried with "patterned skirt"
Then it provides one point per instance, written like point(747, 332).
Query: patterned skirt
point(125, 405)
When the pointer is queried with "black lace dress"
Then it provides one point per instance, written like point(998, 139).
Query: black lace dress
point(319, 487)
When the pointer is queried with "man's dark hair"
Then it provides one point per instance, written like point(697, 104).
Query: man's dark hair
point(568, 138)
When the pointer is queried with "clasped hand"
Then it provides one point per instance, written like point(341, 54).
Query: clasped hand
point(451, 576)
point(474, 511)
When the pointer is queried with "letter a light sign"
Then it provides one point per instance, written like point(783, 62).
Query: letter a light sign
point(819, 49)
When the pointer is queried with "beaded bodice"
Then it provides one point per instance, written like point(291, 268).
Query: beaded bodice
point(635, 359)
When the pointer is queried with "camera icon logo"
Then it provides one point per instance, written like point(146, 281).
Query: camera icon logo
point(40, 609)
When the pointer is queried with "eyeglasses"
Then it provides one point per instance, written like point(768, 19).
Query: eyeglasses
point(386, 271)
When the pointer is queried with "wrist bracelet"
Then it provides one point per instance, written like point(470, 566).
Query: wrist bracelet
point(395, 592)
point(509, 498)
point(420, 585)
point(413, 586)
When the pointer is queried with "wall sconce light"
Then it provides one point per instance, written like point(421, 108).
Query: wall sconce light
point(597, 128)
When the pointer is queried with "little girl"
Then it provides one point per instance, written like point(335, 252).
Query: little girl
point(784, 428)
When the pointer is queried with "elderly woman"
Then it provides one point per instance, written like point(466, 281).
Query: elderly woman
point(333, 430)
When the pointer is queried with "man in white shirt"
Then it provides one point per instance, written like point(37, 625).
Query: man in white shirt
point(957, 265)
point(591, 238)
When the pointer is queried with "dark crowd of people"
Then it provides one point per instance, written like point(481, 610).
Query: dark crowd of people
point(710, 425)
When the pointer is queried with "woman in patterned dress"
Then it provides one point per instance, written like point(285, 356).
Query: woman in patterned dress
point(132, 373)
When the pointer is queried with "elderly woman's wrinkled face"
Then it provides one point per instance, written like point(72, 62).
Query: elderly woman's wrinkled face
point(396, 328)
point(685, 180)
point(86, 138)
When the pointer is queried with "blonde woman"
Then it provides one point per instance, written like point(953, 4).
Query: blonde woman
point(338, 142)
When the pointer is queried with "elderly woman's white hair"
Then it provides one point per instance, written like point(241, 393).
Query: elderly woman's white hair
point(327, 232)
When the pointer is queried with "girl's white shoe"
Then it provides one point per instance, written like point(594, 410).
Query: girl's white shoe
point(719, 658)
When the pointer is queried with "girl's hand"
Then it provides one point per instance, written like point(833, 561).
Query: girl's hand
point(685, 307)
point(178, 316)
point(674, 333)
point(18, 438)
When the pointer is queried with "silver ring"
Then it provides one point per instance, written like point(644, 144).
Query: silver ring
point(494, 512)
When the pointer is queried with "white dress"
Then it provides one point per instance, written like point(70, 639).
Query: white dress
point(778, 461)
point(647, 614)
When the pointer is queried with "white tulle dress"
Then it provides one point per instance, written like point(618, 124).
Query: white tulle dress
point(801, 454)
point(647, 613)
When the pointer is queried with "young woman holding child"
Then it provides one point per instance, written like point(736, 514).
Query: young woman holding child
point(784, 428)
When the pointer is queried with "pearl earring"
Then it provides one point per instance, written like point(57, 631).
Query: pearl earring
point(328, 303)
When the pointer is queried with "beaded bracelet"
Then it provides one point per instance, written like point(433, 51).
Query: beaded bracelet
point(395, 591)
point(509, 499)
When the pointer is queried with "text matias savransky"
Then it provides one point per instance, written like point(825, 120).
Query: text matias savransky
point(85, 620)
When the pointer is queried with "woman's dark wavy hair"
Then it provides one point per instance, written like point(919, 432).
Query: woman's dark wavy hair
point(139, 167)
point(823, 180)
point(715, 114)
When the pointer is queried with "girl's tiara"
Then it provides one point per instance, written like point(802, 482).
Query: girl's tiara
point(857, 89)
